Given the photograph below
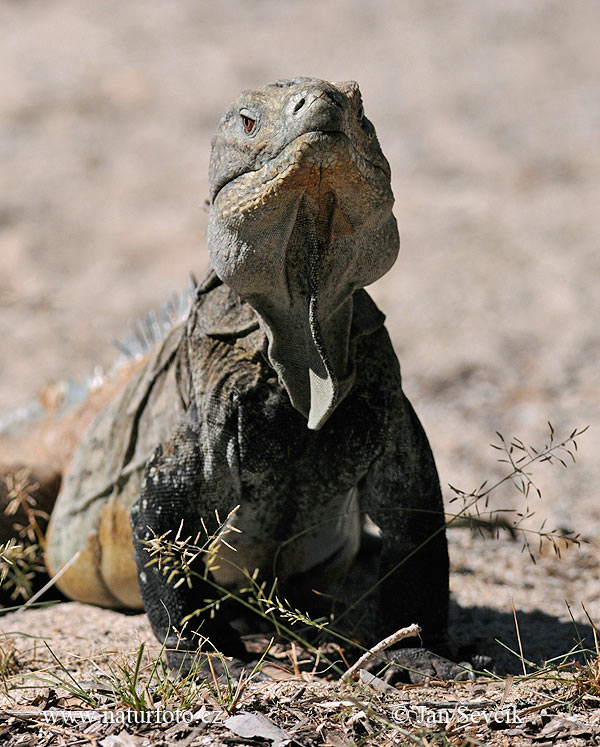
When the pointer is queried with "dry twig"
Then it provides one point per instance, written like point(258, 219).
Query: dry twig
point(408, 632)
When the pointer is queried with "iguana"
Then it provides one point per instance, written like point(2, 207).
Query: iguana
point(280, 393)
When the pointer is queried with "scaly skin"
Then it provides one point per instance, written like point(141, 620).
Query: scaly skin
point(39, 456)
point(281, 393)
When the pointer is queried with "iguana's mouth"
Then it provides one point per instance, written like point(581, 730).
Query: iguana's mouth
point(313, 136)
point(281, 162)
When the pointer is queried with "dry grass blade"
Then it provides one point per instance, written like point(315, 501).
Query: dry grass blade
point(512, 601)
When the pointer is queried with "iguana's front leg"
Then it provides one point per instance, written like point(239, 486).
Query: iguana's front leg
point(175, 489)
point(401, 494)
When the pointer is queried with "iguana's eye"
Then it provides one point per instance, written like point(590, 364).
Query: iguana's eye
point(247, 122)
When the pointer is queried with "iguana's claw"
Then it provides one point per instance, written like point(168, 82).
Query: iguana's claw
point(418, 665)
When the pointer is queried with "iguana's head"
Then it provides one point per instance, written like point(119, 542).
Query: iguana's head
point(301, 217)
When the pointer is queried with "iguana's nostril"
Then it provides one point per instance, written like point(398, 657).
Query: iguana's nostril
point(299, 104)
point(334, 98)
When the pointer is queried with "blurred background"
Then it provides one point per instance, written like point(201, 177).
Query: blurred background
point(488, 112)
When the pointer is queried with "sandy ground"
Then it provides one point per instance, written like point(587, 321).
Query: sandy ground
point(489, 114)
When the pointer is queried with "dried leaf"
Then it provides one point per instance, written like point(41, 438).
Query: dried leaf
point(375, 682)
point(254, 725)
